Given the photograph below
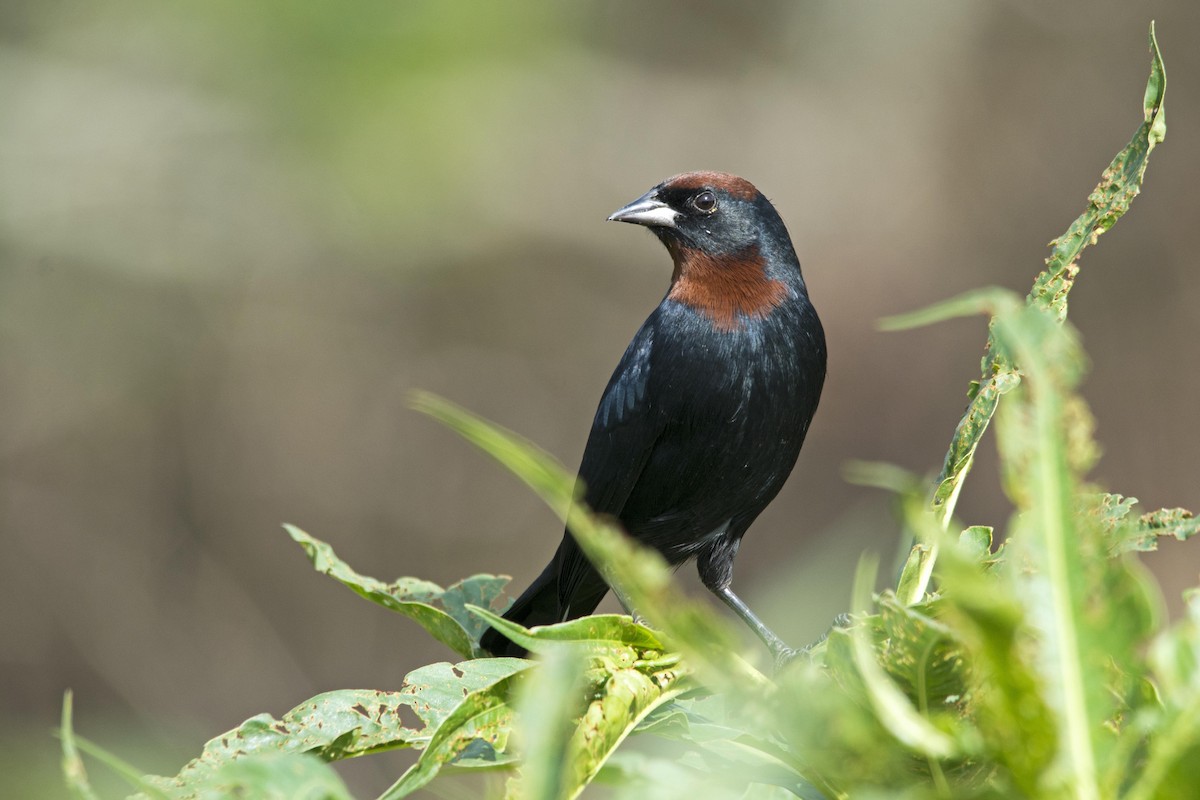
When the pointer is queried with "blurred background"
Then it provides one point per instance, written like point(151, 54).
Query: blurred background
point(234, 235)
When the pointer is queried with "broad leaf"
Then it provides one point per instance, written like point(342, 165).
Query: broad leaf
point(612, 636)
point(350, 723)
point(442, 612)
point(274, 776)
point(479, 724)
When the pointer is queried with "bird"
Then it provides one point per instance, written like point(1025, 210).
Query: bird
point(704, 416)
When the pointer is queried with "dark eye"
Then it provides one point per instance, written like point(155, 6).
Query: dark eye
point(705, 202)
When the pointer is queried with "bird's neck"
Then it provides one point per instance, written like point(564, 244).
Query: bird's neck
point(728, 289)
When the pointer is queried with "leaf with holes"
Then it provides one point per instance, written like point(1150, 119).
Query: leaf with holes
point(354, 722)
point(478, 726)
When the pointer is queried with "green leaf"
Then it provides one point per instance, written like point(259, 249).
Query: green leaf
point(1141, 534)
point(74, 773)
point(274, 776)
point(689, 626)
point(482, 716)
point(350, 723)
point(976, 542)
point(1119, 184)
point(625, 671)
point(990, 300)
point(613, 636)
point(1003, 697)
point(548, 710)
point(442, 612)
point(1171, 769)
point(1091, 612)
point(439, 689)
point(1040, 479)
point(72, 765)
point(1175, 522)
point(1156, 90)
point(627, 698)
point(893, 709)
point(635, 775)
point(921, 654)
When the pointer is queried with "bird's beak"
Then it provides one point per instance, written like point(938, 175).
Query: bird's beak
point(647, 210)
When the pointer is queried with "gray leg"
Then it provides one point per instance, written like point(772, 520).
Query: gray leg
point(627, 606)
point(779, 651)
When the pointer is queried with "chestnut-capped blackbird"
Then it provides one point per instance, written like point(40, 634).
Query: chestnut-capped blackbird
point(705, 414)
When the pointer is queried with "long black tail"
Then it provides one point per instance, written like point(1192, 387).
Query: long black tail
point(541, 604)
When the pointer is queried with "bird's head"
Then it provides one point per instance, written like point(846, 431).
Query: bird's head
point(713, 212)
point(733, 256)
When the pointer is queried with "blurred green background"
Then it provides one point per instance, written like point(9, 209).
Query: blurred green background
point(233, 236)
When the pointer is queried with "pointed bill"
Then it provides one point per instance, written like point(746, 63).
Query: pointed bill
point(647, 210)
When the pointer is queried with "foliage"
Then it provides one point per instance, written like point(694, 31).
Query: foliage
point(1038, 668)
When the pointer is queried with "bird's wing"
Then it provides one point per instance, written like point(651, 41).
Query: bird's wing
point(624, 431)
point(626, 427)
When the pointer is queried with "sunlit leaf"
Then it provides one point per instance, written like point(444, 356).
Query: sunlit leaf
point(894, 710)
point(274, 776)
point(351, 723)
point(616, 638)
point(549, 709)
point(1126, 533)
point(1171, 770)
point(1119, 184)
point(442, 612)
point(482, 717)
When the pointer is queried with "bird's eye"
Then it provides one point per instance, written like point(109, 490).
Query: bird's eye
point(705, 202)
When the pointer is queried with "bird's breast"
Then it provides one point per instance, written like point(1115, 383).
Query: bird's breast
point(767, 372)
point(728, 291)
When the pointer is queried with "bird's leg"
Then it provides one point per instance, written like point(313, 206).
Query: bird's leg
point(716, 573)
point(780, 652)
point(627, 606)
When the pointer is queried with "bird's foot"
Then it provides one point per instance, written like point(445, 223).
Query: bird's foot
point(784, 655)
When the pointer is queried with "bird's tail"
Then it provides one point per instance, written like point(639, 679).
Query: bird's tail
point(540, 604)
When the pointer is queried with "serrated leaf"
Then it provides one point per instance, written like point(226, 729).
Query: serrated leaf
point(1175, 522)
point(1119, 184)
point(1003, 695)
point(1144, 535)
point(442, 612)
point(921, 654)
point(892, 708)
point(1126, 534)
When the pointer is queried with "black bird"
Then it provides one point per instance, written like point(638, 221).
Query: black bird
point(705, 414)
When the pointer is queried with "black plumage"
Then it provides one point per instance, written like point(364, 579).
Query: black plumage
point(704, 416)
